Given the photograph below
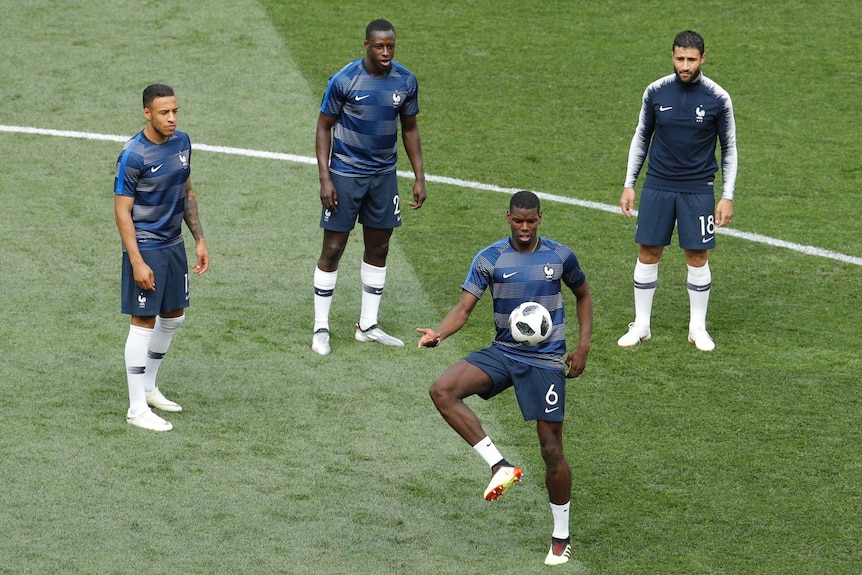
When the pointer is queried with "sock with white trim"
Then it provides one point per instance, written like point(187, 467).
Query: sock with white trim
point(646, 281)
point(160, 341)
point(488, 451)
point(373, 279)
point(699, 282)
point(561, 520)
point(137, 344)
point(324, 287)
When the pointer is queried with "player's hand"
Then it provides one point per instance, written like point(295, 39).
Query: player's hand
point(328, 196)
point(430, 338)
point(723, 212)
point(627, 201)
point(576, 361)
point(419, 195)
point(144, 277)
point(203, 257)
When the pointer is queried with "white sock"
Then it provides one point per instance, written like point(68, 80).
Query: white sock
point(373, 280)
point(698, 283)
point(561, 520)
point(160, 341)
point(137, 344)
point(646, 280)
point(488, 451)
point(324, 286)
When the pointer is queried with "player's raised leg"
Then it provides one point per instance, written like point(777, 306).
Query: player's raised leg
point(448, 392)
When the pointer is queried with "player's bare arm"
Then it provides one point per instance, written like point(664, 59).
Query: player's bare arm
point(144, 276)
point(193, 221)
point(723, 212)
point(413, 147)
point(454, 320)
point(576, 360)
point(323, 148)
point(191, 216)
point(627, 201)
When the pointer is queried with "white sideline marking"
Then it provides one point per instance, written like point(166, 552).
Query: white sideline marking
point(613, 209)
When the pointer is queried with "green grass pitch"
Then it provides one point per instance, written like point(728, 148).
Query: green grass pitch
point(743, 461)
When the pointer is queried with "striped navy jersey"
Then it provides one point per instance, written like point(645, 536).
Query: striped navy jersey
point(155, 175)
point(368, 110)
point(679, 124)
point(513, 278)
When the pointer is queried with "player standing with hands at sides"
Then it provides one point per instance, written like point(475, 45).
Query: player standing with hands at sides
point(682, 117)
point(523, 267)
point(153, 195)
point(356, 146)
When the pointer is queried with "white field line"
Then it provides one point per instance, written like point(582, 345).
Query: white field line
point(803, 249)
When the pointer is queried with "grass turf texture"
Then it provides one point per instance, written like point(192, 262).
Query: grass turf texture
point(741, 461)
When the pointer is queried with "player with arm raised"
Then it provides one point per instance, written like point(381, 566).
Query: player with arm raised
point(523, 267)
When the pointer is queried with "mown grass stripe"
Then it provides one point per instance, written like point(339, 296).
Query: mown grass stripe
point(750, 236)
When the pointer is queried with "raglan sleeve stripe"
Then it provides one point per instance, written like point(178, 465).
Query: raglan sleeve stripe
point(640, 141)
point(729, 157)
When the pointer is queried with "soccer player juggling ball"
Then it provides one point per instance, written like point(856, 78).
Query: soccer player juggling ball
point(522, 267)
point(682, 116)
point(153, 195)
point(356, 147)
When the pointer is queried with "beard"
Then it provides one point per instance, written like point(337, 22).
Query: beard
point(695, 76)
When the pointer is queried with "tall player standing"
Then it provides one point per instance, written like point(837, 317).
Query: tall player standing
point(356, 146)
point(153, 195)
point(682, 117)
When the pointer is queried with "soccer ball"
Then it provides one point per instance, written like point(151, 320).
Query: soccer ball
point(530, 323)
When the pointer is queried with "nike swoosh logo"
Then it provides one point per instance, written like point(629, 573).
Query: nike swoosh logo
point(360, 98)
point(707, 240)
point(549, 410)
point(665, 108)
point(155, 169)
point(507, 276)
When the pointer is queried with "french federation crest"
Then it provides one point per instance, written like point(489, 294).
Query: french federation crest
point(549, 272)
point(396, 99)
point(184, 159)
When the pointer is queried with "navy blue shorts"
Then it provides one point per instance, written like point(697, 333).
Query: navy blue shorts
point(693, 214)
point(171, 271)
point(541, 392)
point(373, 199)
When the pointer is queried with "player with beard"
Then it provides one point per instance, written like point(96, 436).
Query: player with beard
point(683, 116)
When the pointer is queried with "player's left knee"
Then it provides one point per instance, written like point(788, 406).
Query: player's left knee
point(553, 455)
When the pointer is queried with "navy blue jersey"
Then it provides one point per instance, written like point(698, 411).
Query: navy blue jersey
point(368, 110)
point(679, 124)
point(155, 175)
point(513, 278)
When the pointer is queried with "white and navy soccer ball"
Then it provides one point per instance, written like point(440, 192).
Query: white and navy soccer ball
point(530, 323)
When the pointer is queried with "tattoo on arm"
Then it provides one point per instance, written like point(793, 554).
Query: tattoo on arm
point(193, 220)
